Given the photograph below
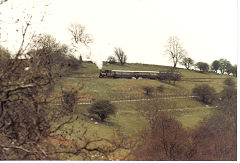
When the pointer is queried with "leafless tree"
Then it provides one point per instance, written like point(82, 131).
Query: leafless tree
point(175, 50)
point(79, 36)
point(2, 1)
point(120, 55)
point(25, 111)
point(18, 21)
point(165, 139)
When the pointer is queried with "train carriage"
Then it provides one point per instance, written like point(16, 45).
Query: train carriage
point(137, 74)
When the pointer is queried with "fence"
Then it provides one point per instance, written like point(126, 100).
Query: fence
point(138, 97)
point(128, 97)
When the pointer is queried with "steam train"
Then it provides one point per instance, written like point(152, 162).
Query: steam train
point(159, 75)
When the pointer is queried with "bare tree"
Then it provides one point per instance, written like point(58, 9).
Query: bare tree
point(24, 109)
point(18, 22)
point(2, 1)
point(26, 117)
point(120, 55)
point(175, 50)
point(165, 139)
point(79, 36)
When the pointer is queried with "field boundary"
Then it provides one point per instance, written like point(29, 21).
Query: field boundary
point(140, 99)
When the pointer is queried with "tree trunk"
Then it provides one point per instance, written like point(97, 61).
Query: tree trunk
point(174, 65)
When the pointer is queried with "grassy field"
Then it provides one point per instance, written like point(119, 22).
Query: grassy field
point(129, 119)
point(91, 68)
point(114, 89)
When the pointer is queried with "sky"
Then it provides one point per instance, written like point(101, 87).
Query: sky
point(207, 29)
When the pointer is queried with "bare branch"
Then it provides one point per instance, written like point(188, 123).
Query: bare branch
point(175, 50)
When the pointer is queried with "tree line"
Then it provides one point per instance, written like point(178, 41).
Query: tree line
point(177, 54)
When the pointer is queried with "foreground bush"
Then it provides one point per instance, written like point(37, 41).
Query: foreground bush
point(102, 108)
point(205, 93)
point(164, 140)
point(216, 139)
point(229, 82)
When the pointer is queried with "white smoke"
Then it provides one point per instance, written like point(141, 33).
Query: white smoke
point(98, 60)
point(99, 64)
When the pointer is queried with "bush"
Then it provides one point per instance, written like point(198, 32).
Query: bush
point(227, 93)
point(164, 140)
point(229, 82)
point(173, 75)
point(4, 56)
point(205, 93)
point(160, 88)
point(111, 60)
point(148, 90)
point(102, 108)
point(69, 100)
point(72, 63)
point(216, 139)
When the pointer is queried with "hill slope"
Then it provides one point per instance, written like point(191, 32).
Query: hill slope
point(91, 68)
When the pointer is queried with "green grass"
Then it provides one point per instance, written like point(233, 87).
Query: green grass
point(192, 118)
point(87, 68)
point(196, 74)
point(134, 67)
point(91, 68)
point(128, 119)
point(188, 85)
point(114, 89)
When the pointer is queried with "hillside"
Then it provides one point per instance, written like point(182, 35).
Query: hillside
point(91, 68)
point(190, 78)
point(130, 99)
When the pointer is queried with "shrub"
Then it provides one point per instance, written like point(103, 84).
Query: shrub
point(216, 139)
point(111, 60)
point(160, 88)
point(69, 100)
point(205, 93)
point(229, 82)
point(4, 56)
point(227, 93)
point(102, 108)
point(164, 140)
point(173, 75)
point(70, 63)
point(148, 90)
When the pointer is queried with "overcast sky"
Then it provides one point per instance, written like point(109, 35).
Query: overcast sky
point(206, 28)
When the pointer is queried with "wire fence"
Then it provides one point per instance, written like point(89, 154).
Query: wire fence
point(127, 97)
point(137, 97)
